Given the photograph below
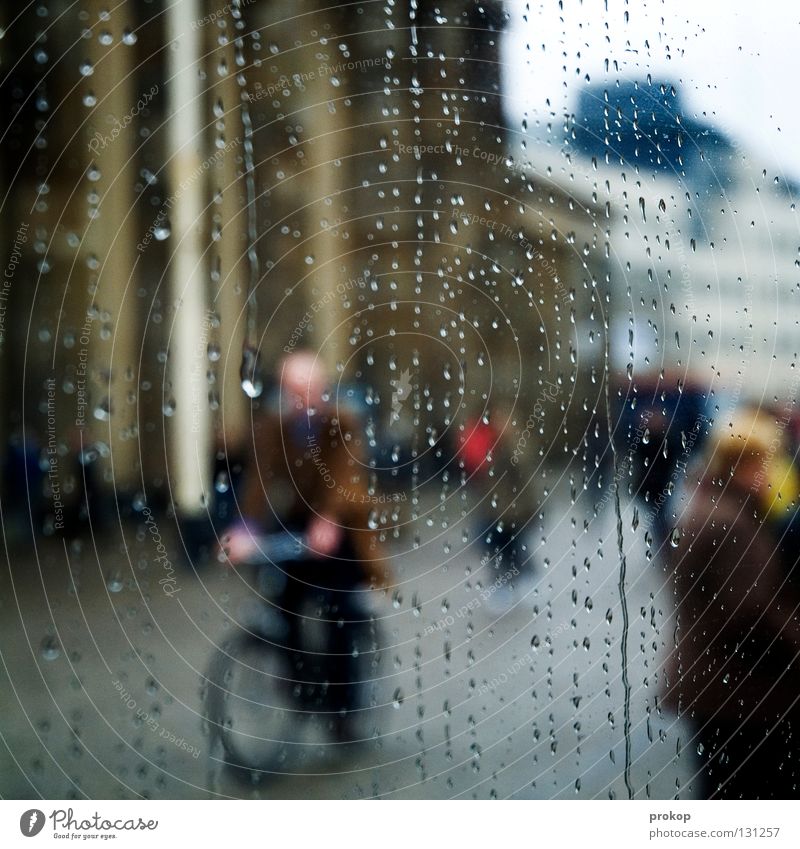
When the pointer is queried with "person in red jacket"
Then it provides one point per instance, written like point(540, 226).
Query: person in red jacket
point(489, 470)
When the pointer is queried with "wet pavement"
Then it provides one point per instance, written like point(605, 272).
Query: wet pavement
point(103, 668)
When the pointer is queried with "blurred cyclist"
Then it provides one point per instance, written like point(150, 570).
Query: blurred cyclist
point(307, 475)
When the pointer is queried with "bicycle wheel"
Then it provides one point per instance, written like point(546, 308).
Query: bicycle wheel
point(250, 704)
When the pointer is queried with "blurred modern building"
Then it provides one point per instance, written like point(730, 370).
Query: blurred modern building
point(704, 249)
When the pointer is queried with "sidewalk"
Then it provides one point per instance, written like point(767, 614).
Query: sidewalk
point(102, 675)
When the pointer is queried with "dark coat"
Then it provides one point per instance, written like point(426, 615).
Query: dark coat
point(738, 608)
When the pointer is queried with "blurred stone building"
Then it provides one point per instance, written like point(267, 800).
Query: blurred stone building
point(349, 184)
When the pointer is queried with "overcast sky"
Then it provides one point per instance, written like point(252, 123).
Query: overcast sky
point(738, 62)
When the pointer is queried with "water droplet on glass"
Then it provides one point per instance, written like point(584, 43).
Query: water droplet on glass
point(49, 648)
point(222, 483)
point(250, 374)
point(103, 410)
point(162, 231)
point(114, 581)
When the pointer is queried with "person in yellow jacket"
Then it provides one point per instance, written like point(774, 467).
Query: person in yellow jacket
point(734, 671)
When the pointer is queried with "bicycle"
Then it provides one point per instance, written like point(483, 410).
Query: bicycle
point(268, 694)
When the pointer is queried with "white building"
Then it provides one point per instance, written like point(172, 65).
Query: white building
point(704, 269)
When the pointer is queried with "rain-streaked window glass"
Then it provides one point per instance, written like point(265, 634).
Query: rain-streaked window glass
point(399, 400)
